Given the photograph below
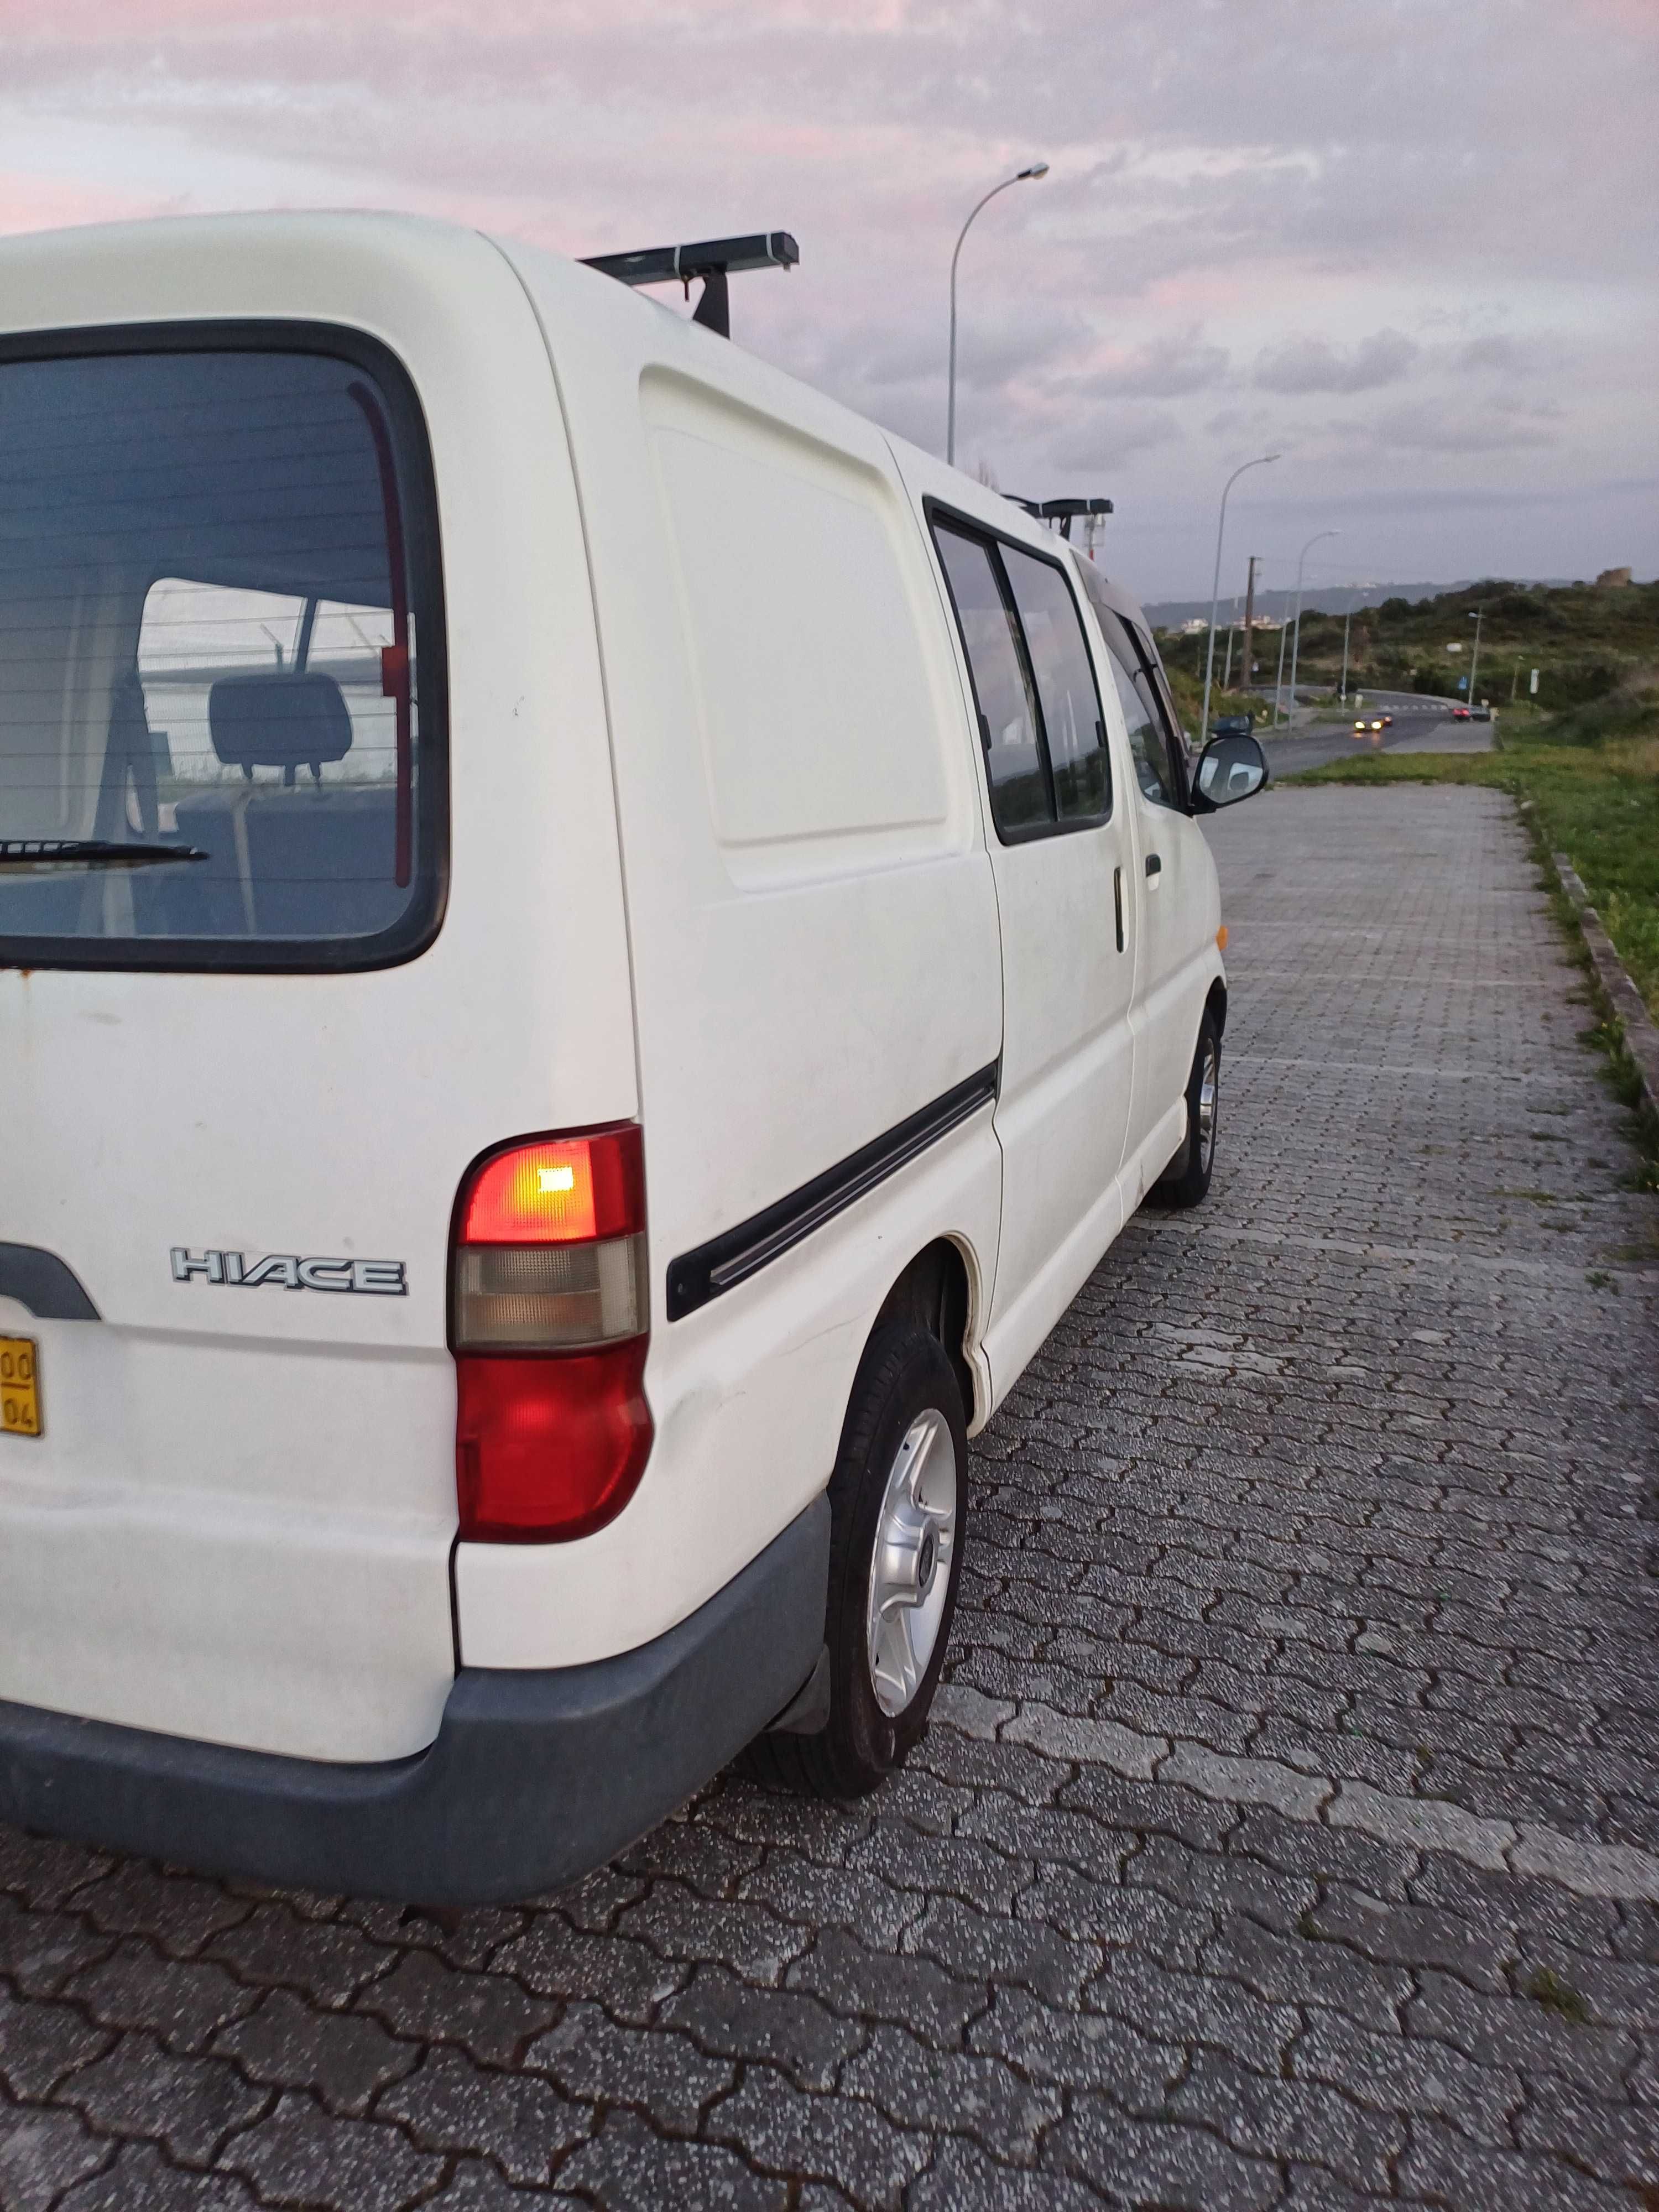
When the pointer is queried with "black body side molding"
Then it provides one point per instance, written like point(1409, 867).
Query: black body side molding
point(41, 1281)
point(731, 1257)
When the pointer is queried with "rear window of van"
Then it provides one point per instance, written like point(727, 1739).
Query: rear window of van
point(221, 656)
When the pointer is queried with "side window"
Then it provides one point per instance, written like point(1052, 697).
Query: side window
point(1155, 688)
point(1147, 742)
point(1065, 687)
point(1007, 710)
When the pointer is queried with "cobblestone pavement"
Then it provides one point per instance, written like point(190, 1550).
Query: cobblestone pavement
point(1289, 1833)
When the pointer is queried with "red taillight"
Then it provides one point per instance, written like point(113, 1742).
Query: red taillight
point(549, 1314)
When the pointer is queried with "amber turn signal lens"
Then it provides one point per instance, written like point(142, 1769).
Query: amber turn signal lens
point(1221, 938)
point(558, 1190)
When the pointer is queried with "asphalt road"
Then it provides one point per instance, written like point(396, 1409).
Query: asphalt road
point(1286, 1839)
point(1420, 726)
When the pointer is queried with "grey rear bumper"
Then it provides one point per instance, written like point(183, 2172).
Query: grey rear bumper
point(534, 1777)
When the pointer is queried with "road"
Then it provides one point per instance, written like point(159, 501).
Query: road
point(1421, 725)
point(1288, 1832)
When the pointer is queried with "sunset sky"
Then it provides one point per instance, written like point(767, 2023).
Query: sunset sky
point(1411, 244)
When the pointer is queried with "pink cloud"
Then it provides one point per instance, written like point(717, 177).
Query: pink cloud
point(32, 202)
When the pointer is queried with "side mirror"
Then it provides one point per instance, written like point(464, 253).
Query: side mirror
point(1229, 769)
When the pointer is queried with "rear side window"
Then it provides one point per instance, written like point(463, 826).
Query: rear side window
point(1007, 703)
point(220, 658)
point(1039, 712)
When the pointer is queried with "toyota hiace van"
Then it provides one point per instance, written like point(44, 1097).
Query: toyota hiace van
point(592, 950)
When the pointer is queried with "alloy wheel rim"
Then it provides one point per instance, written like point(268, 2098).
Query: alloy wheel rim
point(1208, 1086)
point(910, 1567)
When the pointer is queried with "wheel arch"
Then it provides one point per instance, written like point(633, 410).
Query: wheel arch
point(1216, 1004)
point(938, 1289)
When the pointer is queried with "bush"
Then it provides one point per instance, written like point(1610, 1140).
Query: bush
point(1575, 684)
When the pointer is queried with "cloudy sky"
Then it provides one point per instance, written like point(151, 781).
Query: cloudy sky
point(1410, 243)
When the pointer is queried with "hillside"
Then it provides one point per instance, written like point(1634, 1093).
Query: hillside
point(1583, 640)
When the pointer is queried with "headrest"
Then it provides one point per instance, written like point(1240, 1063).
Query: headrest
point(282, 720)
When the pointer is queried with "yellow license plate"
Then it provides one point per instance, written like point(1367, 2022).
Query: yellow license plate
point(20, 1386)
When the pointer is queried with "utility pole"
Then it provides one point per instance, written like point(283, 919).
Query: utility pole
point(1279, 680)
point(1347, 619)
point(1474, 657)
point(1249, 617)
point(1515, 684)
point(1227, 672)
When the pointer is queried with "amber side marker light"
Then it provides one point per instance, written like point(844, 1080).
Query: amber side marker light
point(549, 1320)
point(1221, 938)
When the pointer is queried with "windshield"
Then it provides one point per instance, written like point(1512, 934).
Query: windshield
point(219, 701)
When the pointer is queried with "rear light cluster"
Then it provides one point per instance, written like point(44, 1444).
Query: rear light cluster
point(549, 1312)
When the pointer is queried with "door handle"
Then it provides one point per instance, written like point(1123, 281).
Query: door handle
point(1117, 902)
point(1154, 865)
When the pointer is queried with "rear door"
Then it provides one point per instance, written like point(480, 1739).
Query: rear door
point(1059, 852)
point(281, 951)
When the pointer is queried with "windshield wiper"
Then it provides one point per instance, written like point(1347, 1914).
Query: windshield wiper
point(87, 853)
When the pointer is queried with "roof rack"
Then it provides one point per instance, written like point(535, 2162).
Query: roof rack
point(714, 259)
point(1062, 511)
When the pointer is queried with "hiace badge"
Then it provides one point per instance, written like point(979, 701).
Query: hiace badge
point(382, 1278)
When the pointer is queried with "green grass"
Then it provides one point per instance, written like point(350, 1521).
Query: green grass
point(1593, 779)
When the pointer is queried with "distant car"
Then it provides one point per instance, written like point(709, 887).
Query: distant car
point(1367, 723)
point(1480, 714)
point(1461, 715)
point(1387, 721)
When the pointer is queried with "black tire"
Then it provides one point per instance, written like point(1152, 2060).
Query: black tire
point(904, 1376)
point(1186, 1180)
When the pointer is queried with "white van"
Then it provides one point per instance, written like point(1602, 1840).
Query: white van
point(591, 951)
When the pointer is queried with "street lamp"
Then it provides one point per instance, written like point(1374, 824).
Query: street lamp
point(1036, 169)
point(1474, 659)
point(1260, 461)
point(1297, 647)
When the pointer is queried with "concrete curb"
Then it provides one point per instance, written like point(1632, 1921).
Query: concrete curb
point(1641, 1037)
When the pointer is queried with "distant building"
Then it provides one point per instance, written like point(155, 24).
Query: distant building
point(1612, 579)
point(1191, 629)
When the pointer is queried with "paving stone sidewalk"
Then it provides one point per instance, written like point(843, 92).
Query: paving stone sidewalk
point(1289, 1832)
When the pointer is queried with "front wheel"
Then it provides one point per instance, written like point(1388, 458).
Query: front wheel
point(1187, 1179)
point(898, 1511)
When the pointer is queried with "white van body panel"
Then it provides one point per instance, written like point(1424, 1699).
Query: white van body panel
point(126, 1593)
point(1076, 1051)
point(727, 1444)
point(1176, 961)
point(748, 539)
point(245, 1502)
point(1177, 914)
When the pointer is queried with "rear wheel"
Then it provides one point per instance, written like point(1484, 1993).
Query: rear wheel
point(897, 1503)
point(1187, 1179)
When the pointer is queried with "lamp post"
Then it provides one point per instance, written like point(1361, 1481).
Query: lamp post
point(1036, 169)
point(1347, 619)
point(1260, 461)
point(1297, 647)
point(1474, 657)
